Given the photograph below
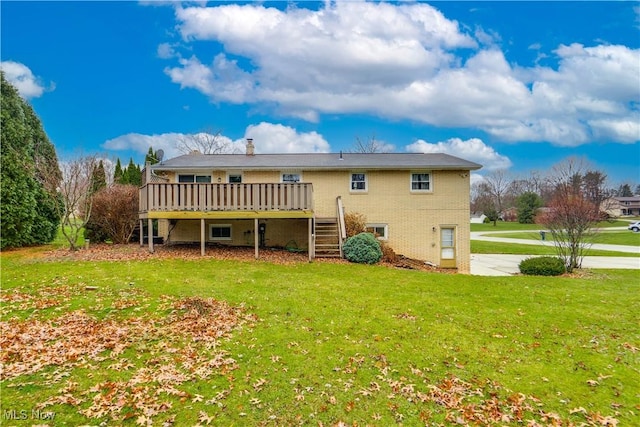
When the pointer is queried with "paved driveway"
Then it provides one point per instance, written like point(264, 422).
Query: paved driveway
point(506, 265)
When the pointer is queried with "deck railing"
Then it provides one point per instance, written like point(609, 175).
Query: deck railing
point(168, 197)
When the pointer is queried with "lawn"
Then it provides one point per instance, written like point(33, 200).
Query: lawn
point(186, 341)
point(606, 237)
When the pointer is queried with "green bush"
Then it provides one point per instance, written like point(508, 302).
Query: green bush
point(362, 248)
point(542, 266)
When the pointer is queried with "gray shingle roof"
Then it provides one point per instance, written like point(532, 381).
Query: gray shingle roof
point(317, 161)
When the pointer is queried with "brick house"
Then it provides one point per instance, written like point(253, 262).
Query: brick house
point(418, 203)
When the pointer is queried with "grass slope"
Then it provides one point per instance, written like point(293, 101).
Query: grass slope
point(333, 343)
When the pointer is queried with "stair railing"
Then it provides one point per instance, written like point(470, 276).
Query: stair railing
point(342, 230)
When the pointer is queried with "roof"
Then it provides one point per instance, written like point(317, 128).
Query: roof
point(317, 161)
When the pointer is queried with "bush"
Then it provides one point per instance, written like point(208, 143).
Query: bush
point(542, 266)
point(362, 248)
point(114, 214)
point(388, 254)
point(354, 223)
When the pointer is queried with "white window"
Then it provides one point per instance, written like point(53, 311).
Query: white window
point(194, 178)
point(220, 232)
point(359, 181)
point(291, 177)
point(234, 178)
point(381, 231)
point(421, 181)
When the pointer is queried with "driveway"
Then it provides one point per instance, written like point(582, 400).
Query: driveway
point(506, 265)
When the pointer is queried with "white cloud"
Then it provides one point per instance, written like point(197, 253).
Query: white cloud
point(140, 143)
point(401, 62)
point(267, 137)
point(276, 138)
point(473, 149)
point(20, 76)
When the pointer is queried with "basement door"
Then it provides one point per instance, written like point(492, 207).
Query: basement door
point(447, 247)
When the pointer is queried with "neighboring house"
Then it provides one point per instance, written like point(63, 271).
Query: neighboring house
point(478, 218)
point(623, 206)
point(417, 203)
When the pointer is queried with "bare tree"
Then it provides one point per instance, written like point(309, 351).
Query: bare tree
point(205, 143)
point(72, 195)
point(572, 215)
point(371, 145)
point(498, 184)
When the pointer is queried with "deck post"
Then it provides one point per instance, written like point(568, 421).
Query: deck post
point(150, 234)
point(202, 236)
point(141, 233)
point(256, 240)
point(312, 243)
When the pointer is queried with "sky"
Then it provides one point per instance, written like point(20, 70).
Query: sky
point(512, 85)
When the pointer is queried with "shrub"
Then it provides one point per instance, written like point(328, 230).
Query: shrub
point(114, 214)
point(362, 248)
point(542, 266)
point(388, 254)
point(354, 223)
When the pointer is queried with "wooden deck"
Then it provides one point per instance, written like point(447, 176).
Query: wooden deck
point(205, 200)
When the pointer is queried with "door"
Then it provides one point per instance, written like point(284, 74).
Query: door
point(448, 247)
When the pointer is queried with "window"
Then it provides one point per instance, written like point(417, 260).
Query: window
point(291, 177)
point(358, 182)
point(220, 232)
point(421, 181)
point(194, 178)
point(235, 178)
point(381, 231)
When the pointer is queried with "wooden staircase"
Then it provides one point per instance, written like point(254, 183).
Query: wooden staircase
point(327, 238)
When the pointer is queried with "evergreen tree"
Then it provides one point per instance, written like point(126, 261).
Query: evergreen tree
point(151, 157)
point(28, 159)
point(98, 178)
point(118, 173)
point(132, 175)
point(625, 191)
point(528, 205)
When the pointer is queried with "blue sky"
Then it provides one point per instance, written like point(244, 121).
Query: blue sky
point(510, 85)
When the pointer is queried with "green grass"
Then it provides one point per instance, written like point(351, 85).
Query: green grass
point(487, 247)
point(506, 226)
point(605, 237)
point(335, 342)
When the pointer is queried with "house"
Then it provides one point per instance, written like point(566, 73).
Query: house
point(478, 218)
point(623, 206)
point(417, 203)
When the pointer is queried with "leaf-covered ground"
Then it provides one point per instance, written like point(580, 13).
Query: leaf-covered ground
point(112, 356)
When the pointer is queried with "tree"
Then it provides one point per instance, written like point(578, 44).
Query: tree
point(625, 191)
point(118, 173)
point(371, 145)
point(497, 185)
point(570, 219)
point(27, 157)
point(98, 178)
point(75, 191)
point(528, 205)
point(151, 157)
point(571, 215)
point(205, 143)
point(132, 175)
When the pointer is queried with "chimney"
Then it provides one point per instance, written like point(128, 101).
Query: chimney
point(250, 147)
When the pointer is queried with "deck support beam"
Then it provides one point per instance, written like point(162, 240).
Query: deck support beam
point(256, 241)
point(312, 243)
point(202, 237)
point(141, 232)
point(149, 234)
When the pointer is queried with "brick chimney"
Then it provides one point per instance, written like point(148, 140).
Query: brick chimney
point(250, 147)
